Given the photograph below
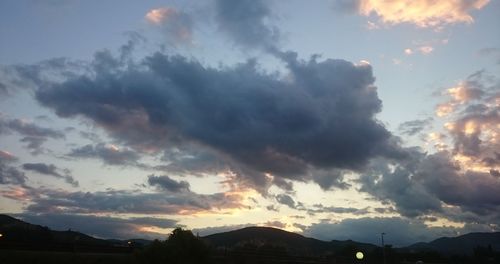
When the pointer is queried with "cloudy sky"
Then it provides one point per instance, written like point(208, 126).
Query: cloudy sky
point(335, 119)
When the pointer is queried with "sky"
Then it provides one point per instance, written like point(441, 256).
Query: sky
point(333, 119)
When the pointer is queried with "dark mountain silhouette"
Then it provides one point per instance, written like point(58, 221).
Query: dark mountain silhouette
point(294, 243)
point(17, 233)
point(464, 244)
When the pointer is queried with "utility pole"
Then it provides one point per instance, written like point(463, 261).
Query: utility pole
point(383, 246)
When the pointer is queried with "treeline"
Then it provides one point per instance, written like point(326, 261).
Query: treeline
point(184, 247)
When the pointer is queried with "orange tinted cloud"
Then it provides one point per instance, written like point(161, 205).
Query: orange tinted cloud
point(5, 155)
point(158, 15)
point(444, 109)
point(423, 13)
point(426, 49)
point(473, 124)
point(462, 93)
point(175, 23)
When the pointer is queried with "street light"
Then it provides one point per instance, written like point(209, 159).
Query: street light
point(383, 246)
point(359, 255)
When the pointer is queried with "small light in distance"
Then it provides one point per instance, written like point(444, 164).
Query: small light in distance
point(359, 255)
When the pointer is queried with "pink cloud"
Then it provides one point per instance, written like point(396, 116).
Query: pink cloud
point(422, 13)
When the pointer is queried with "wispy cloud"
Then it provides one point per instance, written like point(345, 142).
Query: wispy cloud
point(31, 133)
point(108, 153)
point(414, 127)
point(44, 200)
point(425, 49)
point(10, 174)
point(247, 22)
point(491, 52)
point(52, 170)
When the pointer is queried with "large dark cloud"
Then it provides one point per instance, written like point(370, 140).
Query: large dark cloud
point(247, 22)
point(52, 170)
point(101, 226)
point(321, 116)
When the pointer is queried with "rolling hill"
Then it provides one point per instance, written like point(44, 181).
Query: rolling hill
point(17, 234)
point(17, 231)
point(293, 242)
point(463, 244)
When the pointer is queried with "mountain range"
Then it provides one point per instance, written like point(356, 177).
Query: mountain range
point(18, 232)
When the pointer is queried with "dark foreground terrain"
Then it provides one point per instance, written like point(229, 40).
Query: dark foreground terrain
point(23, 256)
point(22, 242)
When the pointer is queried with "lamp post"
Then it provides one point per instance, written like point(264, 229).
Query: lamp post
point(383, 246)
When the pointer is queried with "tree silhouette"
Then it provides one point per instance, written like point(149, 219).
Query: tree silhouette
point(180, 247)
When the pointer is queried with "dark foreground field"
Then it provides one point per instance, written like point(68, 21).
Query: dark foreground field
point(40, 257)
